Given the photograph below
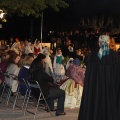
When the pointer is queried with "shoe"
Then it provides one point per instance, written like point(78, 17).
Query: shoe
point(57, 114)
point(15, 93)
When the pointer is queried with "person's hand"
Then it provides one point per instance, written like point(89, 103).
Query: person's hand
point(82, 84)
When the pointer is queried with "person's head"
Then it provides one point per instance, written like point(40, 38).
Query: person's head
point(10, 52)
point(23, 56)
point(104, 41)
point(28, 60)
point(37, 63)
point(3, 57)
point(17, 39)
point(11, 39)
point(118, 49)
point(20, 64)
point(26, 42)
point(37, 42)
point(76, 61)
point(41, 58)
point(78, 52)
point(2, 42)
point(31, 54)
point(14, 58)
point(59, 52)
point(46, 50)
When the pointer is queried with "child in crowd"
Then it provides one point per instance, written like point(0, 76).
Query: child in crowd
point(58, 67)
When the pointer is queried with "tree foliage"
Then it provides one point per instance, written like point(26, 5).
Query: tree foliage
point(30, 7)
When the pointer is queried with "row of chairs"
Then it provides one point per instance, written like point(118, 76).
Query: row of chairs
point(29, 84)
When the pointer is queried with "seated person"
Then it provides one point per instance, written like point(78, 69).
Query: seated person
point(73, 86)
point(3, 66)
point(69, 62)
point(79, 55)
point(22, 60)
point(23, 73)
point(75, 72)
point(13, 68)
point(37, 73)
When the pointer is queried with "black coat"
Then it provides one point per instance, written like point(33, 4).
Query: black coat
point(43, 79)
point(101, 92)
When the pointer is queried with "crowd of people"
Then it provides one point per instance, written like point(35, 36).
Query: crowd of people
point(69, 74)
point(34, 62)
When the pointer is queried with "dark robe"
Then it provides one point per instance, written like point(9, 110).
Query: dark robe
point(101, 93)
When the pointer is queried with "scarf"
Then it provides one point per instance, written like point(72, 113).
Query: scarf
point(104, 46)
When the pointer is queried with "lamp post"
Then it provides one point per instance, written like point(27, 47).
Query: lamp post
point(41, 27)
point(2, 14)
point(2, 17)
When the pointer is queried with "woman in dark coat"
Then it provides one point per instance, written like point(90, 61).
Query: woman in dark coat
point(37, 73)
point(101, 92)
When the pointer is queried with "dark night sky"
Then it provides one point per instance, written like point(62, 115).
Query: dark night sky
point(96, 6)
point(18, 27)
point(84, 8)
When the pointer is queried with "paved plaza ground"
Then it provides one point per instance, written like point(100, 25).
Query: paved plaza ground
point(7, 113)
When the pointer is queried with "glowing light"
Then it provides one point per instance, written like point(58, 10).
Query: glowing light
point(2, 14)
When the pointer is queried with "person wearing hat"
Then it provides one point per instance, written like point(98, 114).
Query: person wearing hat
point(101, 91)
point(73, 86)
point(75, 72)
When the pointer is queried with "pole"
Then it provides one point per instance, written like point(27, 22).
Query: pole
point(31, 30)
point(41, 26)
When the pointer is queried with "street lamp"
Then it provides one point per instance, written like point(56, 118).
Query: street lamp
point(2, 14)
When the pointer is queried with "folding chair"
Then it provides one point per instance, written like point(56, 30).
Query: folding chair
point(1, 74)
point(35, 84)
point(8, 88)
point(5, 85)
point(25, 96)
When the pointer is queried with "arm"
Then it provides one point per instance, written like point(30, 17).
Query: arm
point(42, 76)
point(40, 47)
point(47, 78)
point(54, 63)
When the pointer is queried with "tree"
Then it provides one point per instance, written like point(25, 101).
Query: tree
point(96, 23)
point(31, 7)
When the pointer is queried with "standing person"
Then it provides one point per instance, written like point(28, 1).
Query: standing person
point(101, 92)
point(28, 47)
point(37, 73)
point(58, 67)
point(16, 46)
point(77, 40)
point(11, 42)
point(52, 40)
point(48, 62)
point(112, 44)
point(37, 47)
point(3, 46)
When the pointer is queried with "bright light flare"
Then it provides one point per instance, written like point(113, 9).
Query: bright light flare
point(2, 14)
